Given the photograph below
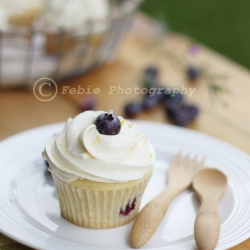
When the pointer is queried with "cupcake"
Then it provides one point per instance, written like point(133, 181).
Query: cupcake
point(21, 12)
point(101, 165)
point(67, 22)
point(3, 18)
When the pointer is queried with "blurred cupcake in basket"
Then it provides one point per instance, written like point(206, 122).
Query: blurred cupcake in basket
point(101, 165)
point(59, 38)
point(67, 21)
point(21, 12)
point(3, 18)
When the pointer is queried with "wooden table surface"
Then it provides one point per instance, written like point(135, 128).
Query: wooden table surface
point(227, 117)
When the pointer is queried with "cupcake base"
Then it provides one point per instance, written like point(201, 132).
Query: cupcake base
point(57, 43)
point(62, 43)
point(100, 205)
point(25, 19)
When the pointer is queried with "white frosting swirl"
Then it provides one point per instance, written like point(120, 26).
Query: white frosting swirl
point(80, 151)
point(76, 15)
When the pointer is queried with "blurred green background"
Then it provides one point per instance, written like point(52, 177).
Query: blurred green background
point(223, 25)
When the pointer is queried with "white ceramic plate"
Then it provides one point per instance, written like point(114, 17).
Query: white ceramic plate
point(30, 214)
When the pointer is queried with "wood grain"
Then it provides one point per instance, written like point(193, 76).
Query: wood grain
point(20, 110)
point(150, 217)
point(209, 185)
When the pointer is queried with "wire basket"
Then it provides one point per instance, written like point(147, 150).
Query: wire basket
point(27, 54)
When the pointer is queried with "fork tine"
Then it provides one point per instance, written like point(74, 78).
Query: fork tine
point(175, 160)
point(193, 163)
point(184, 161)
point(201, 164)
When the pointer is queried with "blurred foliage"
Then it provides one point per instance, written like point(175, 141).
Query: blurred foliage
point(223, 25)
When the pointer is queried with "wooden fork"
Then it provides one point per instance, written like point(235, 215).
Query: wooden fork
point(180, 175)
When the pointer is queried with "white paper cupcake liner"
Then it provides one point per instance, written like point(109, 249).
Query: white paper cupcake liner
point(113, 205)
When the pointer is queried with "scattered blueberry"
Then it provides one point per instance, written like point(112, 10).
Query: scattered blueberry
point(152, 72)
point(108, 124)
point(172, 99)
point(150, 102)
point(132, 109)
point(46, 163)
point(150, 77)
point(129, 208)
point(182, 114)
point(193, 111)
point(171, 105)
point(171, 96)
point(193, 73)
point(88, 103)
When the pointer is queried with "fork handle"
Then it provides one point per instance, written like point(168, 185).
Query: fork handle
point(207, 226)
point(149, 218)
